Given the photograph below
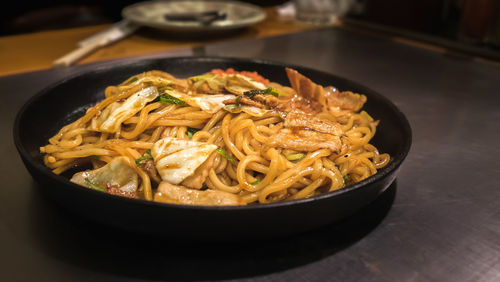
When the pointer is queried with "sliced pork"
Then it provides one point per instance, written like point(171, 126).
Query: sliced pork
point(176, 194)
point(305, 140)
point(321, 98)
point(299, 119)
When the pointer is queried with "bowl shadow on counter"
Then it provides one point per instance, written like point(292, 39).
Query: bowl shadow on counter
point(67, 237)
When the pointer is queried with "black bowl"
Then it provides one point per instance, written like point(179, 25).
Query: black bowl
point(42, 116)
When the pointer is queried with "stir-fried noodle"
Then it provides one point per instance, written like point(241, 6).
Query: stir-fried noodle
point(220, 138)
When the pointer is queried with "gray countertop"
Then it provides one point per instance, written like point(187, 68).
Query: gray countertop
point(440, 220)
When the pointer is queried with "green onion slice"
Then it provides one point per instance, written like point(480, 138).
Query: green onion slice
point(146, 156)
point(237, 101)
point(255, 182)
point(254, 92)
point(296, 157)
point(169, 99)
point(191, 131)
point(226, 155)
point(131, 80)
point(93, 186)
point(346, 178)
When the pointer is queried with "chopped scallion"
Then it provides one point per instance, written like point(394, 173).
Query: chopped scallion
point(271, 91)
point(146, 156)
point(191, 131)
point(169, 99)
point(346, 178)
point(237, 101)
point(254, 92)
point(131, 80)
point(91, 185)
point(226, 155)
point(255, 182)
point(296, 157)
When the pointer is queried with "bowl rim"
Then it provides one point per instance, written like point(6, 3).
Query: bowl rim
point(393, 165)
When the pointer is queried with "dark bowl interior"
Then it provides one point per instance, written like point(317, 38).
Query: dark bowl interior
point(42, 116)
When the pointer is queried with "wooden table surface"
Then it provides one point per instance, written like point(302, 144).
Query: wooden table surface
point(36, 51)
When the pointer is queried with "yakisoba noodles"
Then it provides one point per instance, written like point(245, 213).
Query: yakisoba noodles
point(220, 138)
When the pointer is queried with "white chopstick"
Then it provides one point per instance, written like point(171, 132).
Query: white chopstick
point(79, 53)
point(117, 32)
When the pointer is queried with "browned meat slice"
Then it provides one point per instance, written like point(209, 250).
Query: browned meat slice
point(324, 98)
point(119, 192)
point(307, 89)
point(345, 100)
point(150, 168)
point(286, 104)
point(200, 174)
point(306, 140)
point(271, 102)
point(174, 194)
point(243, 101)
point(298, 119)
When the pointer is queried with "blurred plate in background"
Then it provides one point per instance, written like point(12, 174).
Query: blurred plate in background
point(194, 16)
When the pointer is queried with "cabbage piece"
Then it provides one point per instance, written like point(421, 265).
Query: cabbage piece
point(238, 84)
point(176, 159)
point(115, 114)
point(253, 111)
point(207, 83)
point(116, 173)
point(206, 102)
point(154, 78)
point(151, 80)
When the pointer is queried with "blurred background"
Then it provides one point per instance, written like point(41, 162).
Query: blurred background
point(467, 22)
